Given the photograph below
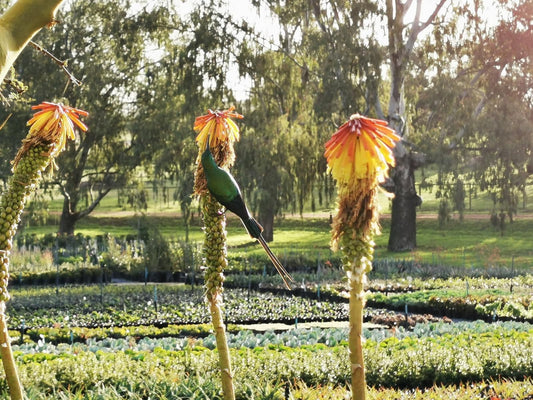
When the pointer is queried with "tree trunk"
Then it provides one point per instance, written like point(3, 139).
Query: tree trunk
point(403, 221)
point(67, 222)
point(402, 38)
point(266, 219)
point(268, 203)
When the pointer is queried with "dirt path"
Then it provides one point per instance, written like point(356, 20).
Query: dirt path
point(303, 325)
point(484, 216)
point(422, 216)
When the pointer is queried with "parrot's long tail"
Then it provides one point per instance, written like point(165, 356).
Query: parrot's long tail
point(252, 226)
point(279, 267)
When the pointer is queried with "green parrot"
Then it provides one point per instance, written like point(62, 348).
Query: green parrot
point(223, 187)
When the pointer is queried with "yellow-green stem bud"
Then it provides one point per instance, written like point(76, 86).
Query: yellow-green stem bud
point(214, 247)
point(26, 176)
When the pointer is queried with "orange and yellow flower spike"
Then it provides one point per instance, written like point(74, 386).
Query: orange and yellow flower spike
point(53, 125)
point(359, 155)
point(50, 128)
point(218, 126)
point(222, 132)
point(361, 149)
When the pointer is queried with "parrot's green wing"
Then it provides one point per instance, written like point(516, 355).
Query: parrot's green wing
point(222, 185)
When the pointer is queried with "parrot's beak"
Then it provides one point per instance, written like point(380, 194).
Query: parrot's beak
point(207, 142)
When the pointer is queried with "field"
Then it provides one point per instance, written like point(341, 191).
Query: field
point(453, 319)
point(100, 341)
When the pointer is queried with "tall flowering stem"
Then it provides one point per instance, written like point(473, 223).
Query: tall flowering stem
point(51, 126)
point(19, 24)
point(359, 155)
point(222, 132)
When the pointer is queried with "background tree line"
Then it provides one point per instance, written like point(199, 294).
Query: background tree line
point(454, 84)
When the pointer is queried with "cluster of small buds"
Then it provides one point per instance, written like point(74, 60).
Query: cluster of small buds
point(215, 253)
point(26, 174)
point(357, 257)
point(4, 275)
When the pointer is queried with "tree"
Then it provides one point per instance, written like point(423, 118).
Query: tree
point(402, 39)
point(188, 79)
point(108, 46)
point(504, 132)
point(477, 105)
point(303, 86)
point(278, 156)
point(340, 36)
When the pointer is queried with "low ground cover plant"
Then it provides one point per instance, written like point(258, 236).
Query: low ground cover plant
point(484, 303)
point(160, 305)
point(54, 341)
point(481, 352)
point(304, 361)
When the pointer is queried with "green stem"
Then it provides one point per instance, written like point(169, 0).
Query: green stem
point(357, 262)
point(355, 342)
point(10, 367)
point(223, 351)
point(215, 249)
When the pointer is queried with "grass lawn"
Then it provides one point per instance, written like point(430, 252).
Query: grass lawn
point(473, 242)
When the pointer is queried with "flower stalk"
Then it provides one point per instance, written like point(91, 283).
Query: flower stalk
point(19, 24)
point(358, 156)
point(217, 128)
point(51, 127)
point(215, 262)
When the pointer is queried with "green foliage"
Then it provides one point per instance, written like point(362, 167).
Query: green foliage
point(472, 119)
point(507, 308)
point(471, 248)
point(157, 253)
point(179, 337)
point(73, 334)
point(117, 257)
point(488, 303)
point(113, 68)
point(495, 389)
point(454, 285)
point(136, 304)
point(444, 213)
point(202, 389)
point(408, 362)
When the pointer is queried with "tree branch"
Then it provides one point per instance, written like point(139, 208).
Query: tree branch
point(433, 15)
point(407, 4)
point(66, 195)
point(62, 64)
point(94, 204)
point(419, 27)
point(317, 12)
